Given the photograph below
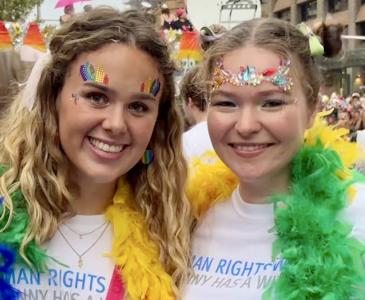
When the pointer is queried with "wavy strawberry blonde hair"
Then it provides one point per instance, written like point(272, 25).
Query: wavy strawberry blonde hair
point(37, 166)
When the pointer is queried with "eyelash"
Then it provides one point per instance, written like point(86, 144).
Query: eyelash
point(224, 103)
point(135, 107)
point(138, 108)
point(269, 104)
point(91, 98)
point(274, 103)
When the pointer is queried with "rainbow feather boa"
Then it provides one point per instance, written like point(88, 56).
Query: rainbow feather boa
point(136, 255)
point(323, 262)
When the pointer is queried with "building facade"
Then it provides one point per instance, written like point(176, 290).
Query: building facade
point(346, 72)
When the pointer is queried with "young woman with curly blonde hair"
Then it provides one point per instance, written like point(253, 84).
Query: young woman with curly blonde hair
point(86, 216)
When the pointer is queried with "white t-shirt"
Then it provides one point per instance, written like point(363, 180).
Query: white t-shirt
point(196, 141)
point(232, 249)
point(72, 282)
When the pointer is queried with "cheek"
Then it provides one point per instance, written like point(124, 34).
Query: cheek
point(142, 129)
point(218, 125)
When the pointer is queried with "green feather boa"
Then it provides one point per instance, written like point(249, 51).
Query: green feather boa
point(323, 262)
point(15, 232)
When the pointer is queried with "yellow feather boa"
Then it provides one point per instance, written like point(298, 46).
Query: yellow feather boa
point(136, 255)
point(211, 181)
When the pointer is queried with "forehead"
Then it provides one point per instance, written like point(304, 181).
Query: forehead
point(120, 62)
point(260, 58)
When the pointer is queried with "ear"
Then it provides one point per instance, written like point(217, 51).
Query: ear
point(190, 102)
point(312, 112)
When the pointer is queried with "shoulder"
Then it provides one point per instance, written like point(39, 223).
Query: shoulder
point(219, 213)
point(196, 141)
point(195, 131)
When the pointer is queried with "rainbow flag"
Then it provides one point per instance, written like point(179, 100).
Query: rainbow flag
point(190, 51)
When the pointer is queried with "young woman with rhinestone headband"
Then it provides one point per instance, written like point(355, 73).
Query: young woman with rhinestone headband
point(92, 171)
point(280, 214)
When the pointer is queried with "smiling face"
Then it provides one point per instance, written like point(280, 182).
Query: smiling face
point(257, 130)
point(106, 125)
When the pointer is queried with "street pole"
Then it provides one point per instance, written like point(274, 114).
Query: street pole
point(38, 13)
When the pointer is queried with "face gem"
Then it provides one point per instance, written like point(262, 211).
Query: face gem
point(249, 76)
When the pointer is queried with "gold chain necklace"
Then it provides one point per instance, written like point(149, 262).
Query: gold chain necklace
point(80, 255)
point(82, 234)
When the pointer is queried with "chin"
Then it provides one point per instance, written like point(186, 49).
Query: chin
point(105, 177)
point(246, 175)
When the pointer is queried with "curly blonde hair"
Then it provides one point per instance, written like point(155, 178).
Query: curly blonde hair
point(37, 166)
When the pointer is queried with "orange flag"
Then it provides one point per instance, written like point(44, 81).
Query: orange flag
point(5, 40)
point(33, 37)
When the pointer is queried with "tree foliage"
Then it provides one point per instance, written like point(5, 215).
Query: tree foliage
point(13, 10)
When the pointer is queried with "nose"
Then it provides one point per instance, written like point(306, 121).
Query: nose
point(115, 121)
point(248, 122)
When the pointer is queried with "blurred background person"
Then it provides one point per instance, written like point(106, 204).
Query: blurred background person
point(12, 73)
point(166, 18)
point(193, 95)
point(69, 11)
point(210, 34)
point(87, 7)
point(182, 23)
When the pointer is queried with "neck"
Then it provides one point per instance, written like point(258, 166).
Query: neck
point(260, 191)
point(199, 116)
point(92, 198)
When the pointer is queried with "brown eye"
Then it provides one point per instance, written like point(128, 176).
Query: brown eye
point(97, 99)
point(138, 107)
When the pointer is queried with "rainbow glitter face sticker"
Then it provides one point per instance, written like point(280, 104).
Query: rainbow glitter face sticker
point(151, 87)
point(96, 74)
point(249, 76)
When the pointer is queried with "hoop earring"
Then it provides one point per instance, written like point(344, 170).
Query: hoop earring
point(147, 157)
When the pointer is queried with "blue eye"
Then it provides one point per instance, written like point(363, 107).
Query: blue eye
point(273, 104)
point(138, 107)
point(223, 103)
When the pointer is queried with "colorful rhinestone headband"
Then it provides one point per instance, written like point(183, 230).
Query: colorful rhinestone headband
point(249, 76)
point(89, 72)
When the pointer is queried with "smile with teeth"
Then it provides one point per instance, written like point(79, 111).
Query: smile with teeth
point(250, 147)
point(106, 147)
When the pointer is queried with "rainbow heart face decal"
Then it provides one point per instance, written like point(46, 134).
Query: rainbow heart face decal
point(151, 87)
point(96, 74)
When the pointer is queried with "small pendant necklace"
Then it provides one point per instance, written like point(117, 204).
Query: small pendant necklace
point(80, 255)
point(82, 234)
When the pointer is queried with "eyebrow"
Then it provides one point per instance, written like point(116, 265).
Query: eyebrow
point(101, 87)
point(261, 93)
point(105, 89)
point(222, 92)
point(144, 96)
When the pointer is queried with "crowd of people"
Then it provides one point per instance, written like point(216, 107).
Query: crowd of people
point(345, 112)
point(106, 193)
